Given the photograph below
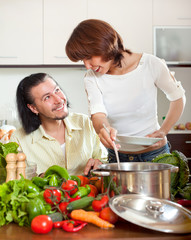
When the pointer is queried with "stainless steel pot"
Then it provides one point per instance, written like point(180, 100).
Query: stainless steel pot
point(149, 179)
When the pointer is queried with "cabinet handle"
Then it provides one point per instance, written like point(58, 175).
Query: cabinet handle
point(8, 57)
point(187, 141)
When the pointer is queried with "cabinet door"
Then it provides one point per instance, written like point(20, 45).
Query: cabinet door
point(180, 142)
point(172, 12)
point(21, 32)
point(131, 19)
point(60, 18)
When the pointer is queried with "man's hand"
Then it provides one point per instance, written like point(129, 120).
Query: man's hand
point(91, 164)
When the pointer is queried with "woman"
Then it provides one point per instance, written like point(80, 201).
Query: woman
point(122, 87)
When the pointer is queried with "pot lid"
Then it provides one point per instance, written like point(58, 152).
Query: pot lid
point(152, 213)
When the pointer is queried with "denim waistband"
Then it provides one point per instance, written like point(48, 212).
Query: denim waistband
point(142, 157)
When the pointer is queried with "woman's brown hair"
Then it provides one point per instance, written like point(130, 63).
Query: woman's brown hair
point(95, 37)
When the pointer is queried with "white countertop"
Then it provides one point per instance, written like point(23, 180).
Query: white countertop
point(172, 131)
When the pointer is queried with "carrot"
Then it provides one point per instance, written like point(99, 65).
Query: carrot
point(85, 216)
point(95, 213)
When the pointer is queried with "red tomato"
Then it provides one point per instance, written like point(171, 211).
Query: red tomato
point(84, 180)
point(93, 180)
point(93, 189)
point(98, 185)
point(63, 206)
point(112, 193)
point(41, 224)
point(71, 186)
point(52, 196)
point(108, 215)
point(100, 203)
point(91, 194)
point(58, 224)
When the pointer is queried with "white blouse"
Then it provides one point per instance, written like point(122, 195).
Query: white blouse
point(130, 100)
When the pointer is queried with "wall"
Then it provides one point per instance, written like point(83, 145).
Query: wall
point(71, 80)
point(183, 75)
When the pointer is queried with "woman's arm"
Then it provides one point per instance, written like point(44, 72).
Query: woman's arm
point(175, 111)
point(98, 120)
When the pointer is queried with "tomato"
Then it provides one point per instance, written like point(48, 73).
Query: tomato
point(100, 203)
point(112, 193)
point(63, 206)
point(71, 186)
point(41, 224)
point(93, 189)
point(93, 180)
point(52, 196)
point(98, 185)
point(84, 180)
point(58, 224)
point(108, 215)
point(91, 194)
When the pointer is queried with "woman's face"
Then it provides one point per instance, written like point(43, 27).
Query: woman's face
point(98, 65)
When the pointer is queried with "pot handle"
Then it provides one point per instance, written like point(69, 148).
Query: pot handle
point(100, 173)
point(174, 168)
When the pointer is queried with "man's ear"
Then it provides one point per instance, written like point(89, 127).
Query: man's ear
point(32, 108)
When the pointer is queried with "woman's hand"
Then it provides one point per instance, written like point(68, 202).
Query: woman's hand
point(107, 137)
point(91, 164)
point(158, 134)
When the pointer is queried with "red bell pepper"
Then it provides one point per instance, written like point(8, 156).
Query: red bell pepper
point(73, 225)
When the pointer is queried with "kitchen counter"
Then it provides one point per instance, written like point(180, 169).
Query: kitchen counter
point(172, 131)
point(122, 230)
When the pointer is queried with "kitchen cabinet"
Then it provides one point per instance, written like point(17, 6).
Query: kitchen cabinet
point(35, 32)
point(172, 12)
point(180, 142)
point(132, 20)
point(60, 18)
point(21, 40)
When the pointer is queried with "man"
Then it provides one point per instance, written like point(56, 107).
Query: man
point(49, 134)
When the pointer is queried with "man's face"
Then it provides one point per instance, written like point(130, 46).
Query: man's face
point(49, 101)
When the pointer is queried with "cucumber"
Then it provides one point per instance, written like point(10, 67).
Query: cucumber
point(56, 217)
point(80, 203)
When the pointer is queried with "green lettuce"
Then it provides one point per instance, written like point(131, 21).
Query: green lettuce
point(11, 198)
point(11, 147)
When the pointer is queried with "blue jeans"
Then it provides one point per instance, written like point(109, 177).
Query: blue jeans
point(143, 157)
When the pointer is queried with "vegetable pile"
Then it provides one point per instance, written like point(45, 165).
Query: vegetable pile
point(56, 200)
point(180, 186)
point(10, 147)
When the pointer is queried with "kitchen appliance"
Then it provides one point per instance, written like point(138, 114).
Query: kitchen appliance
point(173, 44)
point(146, 178)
